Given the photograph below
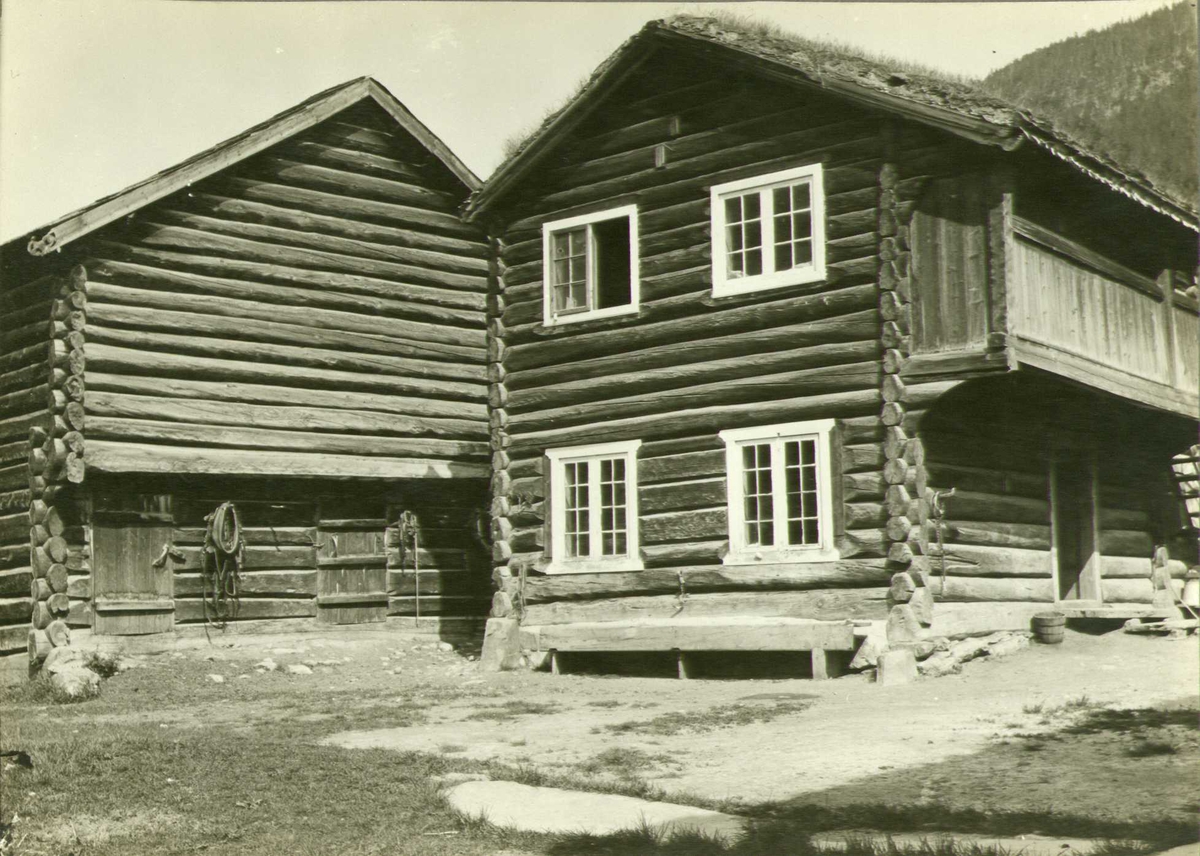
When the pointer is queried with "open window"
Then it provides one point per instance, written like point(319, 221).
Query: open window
point(768, 231)
point(591, 266)
point(593, 503)
point(780, 493)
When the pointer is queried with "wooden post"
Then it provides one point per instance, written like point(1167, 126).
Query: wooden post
point(1166, 281)
point(820, 664)
point(681, 664)
point(1055, 526)
point(555, 666)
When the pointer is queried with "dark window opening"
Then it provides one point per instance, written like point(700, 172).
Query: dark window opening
point(613, 282)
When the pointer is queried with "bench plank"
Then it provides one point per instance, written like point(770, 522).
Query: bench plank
point(773, 634)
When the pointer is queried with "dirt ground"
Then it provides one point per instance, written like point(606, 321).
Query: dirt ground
point(1006, 735)
point(829, 734)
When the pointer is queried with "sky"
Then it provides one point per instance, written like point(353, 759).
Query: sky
point(98, 94)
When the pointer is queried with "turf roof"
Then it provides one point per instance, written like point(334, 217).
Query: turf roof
point(902, 86)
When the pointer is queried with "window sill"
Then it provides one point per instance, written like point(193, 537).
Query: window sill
point(596, 315)
point(595, 566)
point(780, 557)
point(749, 285)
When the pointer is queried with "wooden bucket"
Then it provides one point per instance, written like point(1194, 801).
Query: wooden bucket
point(1048, 627)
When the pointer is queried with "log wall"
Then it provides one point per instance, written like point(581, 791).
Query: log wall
point(316, 309)
point(41, 311)
point(316, 551)
point(687, 366)
point(993, 441)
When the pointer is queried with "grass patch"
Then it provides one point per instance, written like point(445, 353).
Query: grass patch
point(1151, 749)
point(509, 710)
point(607, 703)
point(112, 790)
point(623, 762)
point(1127, 721)
point(710, 719)
point(104, 665)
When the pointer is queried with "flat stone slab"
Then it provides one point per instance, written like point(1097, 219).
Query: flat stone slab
point(1024, 845)
point(534, 809)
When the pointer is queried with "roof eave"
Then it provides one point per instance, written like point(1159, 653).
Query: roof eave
point(418, 129)
point(623, 62)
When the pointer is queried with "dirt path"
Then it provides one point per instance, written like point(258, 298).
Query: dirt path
point(848, 729)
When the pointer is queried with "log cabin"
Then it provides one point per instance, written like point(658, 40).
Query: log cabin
point(754, 346)
point(293, 321)
point(793, 348)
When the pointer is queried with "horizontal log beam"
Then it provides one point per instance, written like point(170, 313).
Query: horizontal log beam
point(439, 333)
point(369, 295)
point(265, 395)
point(258, 584)
point(110, 457)
point(711, 418)
point(969, 589)
point(152, 431)
point(204, 412)
point(268, 261)
point(336, 204)
point(649, 630)
point(404, 245)
point(563, 345)
point(743, 372)
point(116, 360)
point(189, 611)
point(990, 561)
point(271, 354)
point(783, 577)
point(273, 536)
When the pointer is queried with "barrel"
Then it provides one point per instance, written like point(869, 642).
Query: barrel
point(1048, 627)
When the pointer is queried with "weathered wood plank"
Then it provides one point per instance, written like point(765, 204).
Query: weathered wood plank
point(107, 456)
point(782, 577)
point(187, 610)
point(116, 360)
point(155, 431)
point(255, 583)
point(715, 633)
point(324, 404)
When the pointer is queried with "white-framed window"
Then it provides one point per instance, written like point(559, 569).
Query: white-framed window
point(780, 493)
point(768, 231)
point(594, 509)
point(590, 267)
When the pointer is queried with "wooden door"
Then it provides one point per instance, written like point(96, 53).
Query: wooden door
point(351, 562)
point(1076, 540)
point(133, 595)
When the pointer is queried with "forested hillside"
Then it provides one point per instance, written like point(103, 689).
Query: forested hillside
point(1129, 91)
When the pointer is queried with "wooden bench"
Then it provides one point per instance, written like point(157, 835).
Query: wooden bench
point(683, 635)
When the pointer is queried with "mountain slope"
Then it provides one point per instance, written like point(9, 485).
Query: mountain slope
point(1130, 90)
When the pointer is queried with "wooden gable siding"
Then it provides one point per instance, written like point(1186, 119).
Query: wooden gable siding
point(950, 265)
point(687, 365)
point(317, 309)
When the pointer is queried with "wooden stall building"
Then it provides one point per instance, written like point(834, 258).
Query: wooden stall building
point(792, 347)
point(293, 321)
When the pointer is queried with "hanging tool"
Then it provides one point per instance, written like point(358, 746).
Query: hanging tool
point(409, 534)
point(937, 508)
point(224, 556)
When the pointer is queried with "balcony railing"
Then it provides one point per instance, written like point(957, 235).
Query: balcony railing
point(1070, 305)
